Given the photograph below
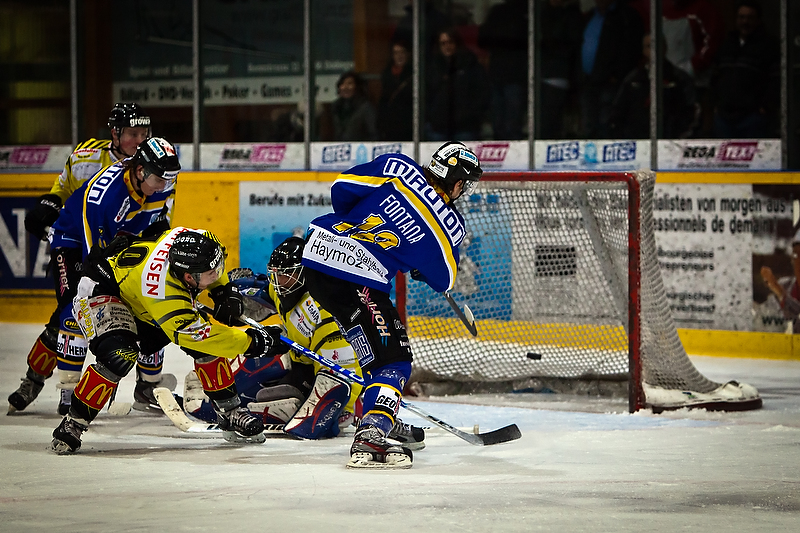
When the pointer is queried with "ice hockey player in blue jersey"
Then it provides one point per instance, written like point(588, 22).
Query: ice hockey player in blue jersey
point(134, 196)
point(390, 215)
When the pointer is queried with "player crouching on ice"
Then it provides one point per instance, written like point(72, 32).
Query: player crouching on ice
point(390, 215)
point(307, 400)
point(143, 298)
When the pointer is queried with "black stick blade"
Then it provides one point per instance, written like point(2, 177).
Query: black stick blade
point(498, 436)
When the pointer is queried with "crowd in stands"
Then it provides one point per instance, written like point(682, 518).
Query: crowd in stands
point(592, 78)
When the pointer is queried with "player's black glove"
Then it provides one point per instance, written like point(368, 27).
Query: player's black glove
point(117, 244)
point(43, 215)
point(97, 267)
point(228, 304)
point(265, 342)
point(157, 227)
point(416, 275)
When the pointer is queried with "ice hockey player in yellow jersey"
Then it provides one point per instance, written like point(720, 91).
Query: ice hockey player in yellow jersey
point(143, 298)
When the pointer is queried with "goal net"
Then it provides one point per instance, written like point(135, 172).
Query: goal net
point(561, 274)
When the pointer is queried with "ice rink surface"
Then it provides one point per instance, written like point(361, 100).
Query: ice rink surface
point(582, 465)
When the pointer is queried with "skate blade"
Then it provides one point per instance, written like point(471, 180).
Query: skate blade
point(11, 410)
point(394, 461)
point(61, 448)
point(235, 438)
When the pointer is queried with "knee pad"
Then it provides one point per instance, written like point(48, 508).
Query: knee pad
point(318, 417)
point(117, 351)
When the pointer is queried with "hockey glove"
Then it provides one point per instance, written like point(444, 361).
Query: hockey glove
point(265, 342)
point(228, 304)
point(96, 267)
point(161, 225)
point(117, 244)
point(416, 275)
point(43, 215)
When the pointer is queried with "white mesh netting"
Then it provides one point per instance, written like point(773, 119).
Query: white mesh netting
point(545, 271)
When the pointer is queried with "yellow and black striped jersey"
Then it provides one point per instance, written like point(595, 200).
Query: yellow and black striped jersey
point(156, 296)
point(88, 158)
point(310, 325)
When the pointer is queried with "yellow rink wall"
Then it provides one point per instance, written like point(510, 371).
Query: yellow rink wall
point(210, 200)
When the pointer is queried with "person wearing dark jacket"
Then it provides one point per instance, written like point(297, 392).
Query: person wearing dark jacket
point(612, 39)
point(746, 77)
point(560, 27)
point(457, 92)
point(396, 103)
point(630, 115)
point(504, 34)
point(354, 117)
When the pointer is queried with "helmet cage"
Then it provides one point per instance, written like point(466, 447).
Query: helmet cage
point(285, 266)
point(286, 280)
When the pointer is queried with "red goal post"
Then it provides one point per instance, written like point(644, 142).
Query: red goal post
point(560, 270)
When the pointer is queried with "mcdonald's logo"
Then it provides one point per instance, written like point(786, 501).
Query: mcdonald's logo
point(42, 359)
point(221, 374)
point(93, 389)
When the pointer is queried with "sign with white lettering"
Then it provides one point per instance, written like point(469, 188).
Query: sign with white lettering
point(738, 154)
point(272, 211)
point(592, 155)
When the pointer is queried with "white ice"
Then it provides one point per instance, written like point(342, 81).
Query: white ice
point(582, 464)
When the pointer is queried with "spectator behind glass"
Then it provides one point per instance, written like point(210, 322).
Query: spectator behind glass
point(457, 91)
point(630, 115)
point(433, 22)
point(504, 34)
point(745, 82)
point(612, 40)
point(560, 28)
point(396, 104)
point(693, 32)
point(352, 113)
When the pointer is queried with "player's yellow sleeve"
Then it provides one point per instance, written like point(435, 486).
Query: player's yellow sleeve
point(88, 158)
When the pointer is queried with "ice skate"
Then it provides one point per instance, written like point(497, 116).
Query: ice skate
point(143, 398)
point(412, 437)
point(241, 426)
point(67, 436)
point(25, 394)
point(371, 450)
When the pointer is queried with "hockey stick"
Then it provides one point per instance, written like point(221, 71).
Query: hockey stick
point(504, 434)
point(465, 316)
point(178, 417)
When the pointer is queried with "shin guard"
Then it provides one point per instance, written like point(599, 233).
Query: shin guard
point(93, 391)
point(43, 356)
point(383, 393)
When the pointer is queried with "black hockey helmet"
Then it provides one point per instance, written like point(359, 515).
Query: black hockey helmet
point(286, 262)
point(195, 252)
point(128, 115)
point(158, 156)
point(453, 162)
